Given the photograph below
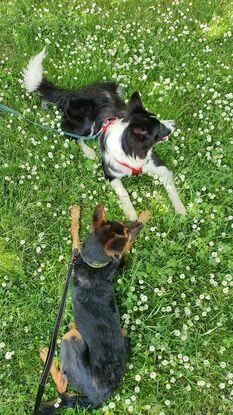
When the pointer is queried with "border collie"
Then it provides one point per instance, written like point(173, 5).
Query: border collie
point(128, 132)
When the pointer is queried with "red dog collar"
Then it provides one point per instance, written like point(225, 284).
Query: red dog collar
point(107, 124)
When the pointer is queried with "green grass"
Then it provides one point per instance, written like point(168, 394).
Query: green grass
point(181, 327)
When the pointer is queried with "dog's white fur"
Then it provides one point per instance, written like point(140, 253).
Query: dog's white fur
point(114, 151)
point(123, 195)
point(32, 74)
point(88, 151)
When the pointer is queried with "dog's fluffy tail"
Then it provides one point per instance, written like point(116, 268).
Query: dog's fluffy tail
point(33, 81)
point(32, 75)
point(64, 400)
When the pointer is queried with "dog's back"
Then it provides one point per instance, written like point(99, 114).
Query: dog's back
point(96, 364)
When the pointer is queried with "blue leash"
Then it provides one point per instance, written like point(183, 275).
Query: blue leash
point(45, 127)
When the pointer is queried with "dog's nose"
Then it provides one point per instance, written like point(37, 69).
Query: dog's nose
point(170, 124)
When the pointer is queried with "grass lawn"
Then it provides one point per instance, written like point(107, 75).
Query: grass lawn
point(174, 292)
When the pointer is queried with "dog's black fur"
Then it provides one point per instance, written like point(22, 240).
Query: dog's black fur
point(95, 363)
point(100, 101)
point(81, 108)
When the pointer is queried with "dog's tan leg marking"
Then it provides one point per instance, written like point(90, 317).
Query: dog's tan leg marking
point(144, 217)
point(59, 378)
point(72, 325)
point(75, 215)
point(72, 333)
point(123, 332)
point(128, 247)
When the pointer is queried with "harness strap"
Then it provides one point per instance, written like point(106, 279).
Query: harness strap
point(48, 363)
point(107, 124)
point(134, 170)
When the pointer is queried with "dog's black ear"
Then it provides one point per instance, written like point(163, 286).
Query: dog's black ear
point(135, 102)
point(115, 246)
point(99, 217)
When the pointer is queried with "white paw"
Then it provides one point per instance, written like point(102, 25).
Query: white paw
point(132, 216)
point(89, 152)
point(181, 210)
point(44, 104)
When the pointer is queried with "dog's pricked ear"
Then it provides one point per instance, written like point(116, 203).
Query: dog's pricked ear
point(135, 102)
point(115, 246)
point(99, 217)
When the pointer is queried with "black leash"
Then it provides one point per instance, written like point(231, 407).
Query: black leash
point(53, 341)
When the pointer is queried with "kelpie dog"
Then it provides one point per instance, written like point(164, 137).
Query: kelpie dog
point(94, 351)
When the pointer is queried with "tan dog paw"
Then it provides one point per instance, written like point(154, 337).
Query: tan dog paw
point(144, 217)
point(44, 353)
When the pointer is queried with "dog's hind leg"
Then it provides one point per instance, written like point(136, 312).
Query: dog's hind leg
point(88, 151)
point(73, 332)
point(58, 376)
point(127, 206)
point(167, 179)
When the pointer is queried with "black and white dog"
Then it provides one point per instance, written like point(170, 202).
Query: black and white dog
point(128, 132)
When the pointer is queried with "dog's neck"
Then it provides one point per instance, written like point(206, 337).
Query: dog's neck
point(121, 143)
point(92, 253)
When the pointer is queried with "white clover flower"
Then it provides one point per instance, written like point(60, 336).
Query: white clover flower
point(9, 355)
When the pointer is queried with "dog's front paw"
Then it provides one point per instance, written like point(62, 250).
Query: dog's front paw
point(44, 104)
point(181, 210)
point(88, 151)
point(132, 216)
point(144, 216)
point(44, 353)
point(75, 211)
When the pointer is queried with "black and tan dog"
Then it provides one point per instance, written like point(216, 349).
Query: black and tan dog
point(94, 351)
